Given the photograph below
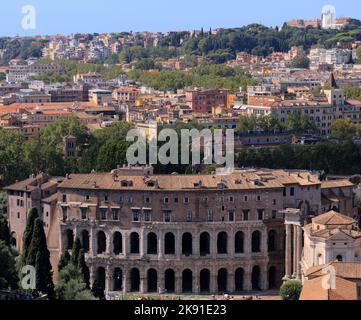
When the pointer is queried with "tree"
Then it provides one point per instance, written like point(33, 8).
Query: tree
point(299, 122)
point(247, 123)
point(64, 260)
point(8, 275)
point(84, 269)
point(4, 230)
point(344, 129)
point(75, 252)
point(98, 290)
point(28, 235)
point(291, 290)
point(358, 53)
point(301, 62)
point(39, 256)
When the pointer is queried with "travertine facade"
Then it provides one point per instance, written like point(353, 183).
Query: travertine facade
point(180, 233)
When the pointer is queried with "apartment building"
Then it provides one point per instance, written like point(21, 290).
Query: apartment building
point(173, 233)
point(203, 100)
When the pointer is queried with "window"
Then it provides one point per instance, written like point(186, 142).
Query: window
point(64, 197)
point(103, 214)
point(136, 216)
point(230, 199)
point(130, 199)
point(258, 198)
point(115, 214)
point(83, 212)
point(165, 200)
point(284, 192)
point(189, 216)
point(292, 191)
point(231, 215)
point(209, 215)
point(260, 213)
point(121, 199)
point(186, 200)
point(245, 215)
point(18, 215)
point(176, 200)
point(106, 197)
point(245, 198)
point(147, 216)
point(274, 214)
point(274, 202)
point(87, 197)
point(147, 200)
point(167, 216)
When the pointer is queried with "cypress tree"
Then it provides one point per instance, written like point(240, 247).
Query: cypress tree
point(4, 230)
point(63, 261)
point(75, 252)
point(83, 269)
point(98, 290)
point(39, 256)
point(28, 234)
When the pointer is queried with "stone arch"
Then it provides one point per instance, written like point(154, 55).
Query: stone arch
point(134, 243)
point(134, 280)
point(204, 243)
point(272, 277)
point(13, 239)
point(169, 280)
point(101, 242)
point(256, 241)
point(222, 243)
point(69, 239)
point(256, 277)
point(169, 243)
point(187, 244)
point(222, 280)
point(152, 280)
point(100, 277)
point(239, 280)
point(239, 242)
point(339, 258)
point(118, 279)
point(152, 243)
point(204, 280)
point(187, 281)
point(117, 243)
point(85, 240)
point(272, 236)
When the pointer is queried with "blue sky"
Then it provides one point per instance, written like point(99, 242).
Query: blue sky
point(69, 16)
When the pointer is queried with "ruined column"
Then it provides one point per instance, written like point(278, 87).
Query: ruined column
point(299, 252)
point(295, 261)
point(288, 253)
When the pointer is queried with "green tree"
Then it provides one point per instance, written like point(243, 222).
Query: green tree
point(291, 290)
point(247, 123)
point(344, 129)
point(301, 62)
point(64, 260)
point(98, 290)
point(8, 275)
point(39, 256)
point(4, 230)
point(75, 252)
point(299, 122)
point(28, 235)
point(84, 269)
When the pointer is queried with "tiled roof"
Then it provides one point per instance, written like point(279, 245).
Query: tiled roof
point(333, 218)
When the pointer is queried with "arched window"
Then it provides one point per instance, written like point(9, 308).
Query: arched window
point(222, 280)
point(102, 246)
point(134, 243)
point(204, 244)
point(13, 241)
point(69, 239)
point(117, 243)
point(152, 280)
point(256, 241)
point(272, 277)
point(187, 281)
point(100, 277)
point(204, 279)
point(238, 279)
point(152, 244)
point(239, 242)
point(117, 279)
point(339, 258)
point(169, 243)
point(85, 240)
point(222, 240)
point(187, 245)
point(134, 280)
point(272, 241)
point(169, 279)
point(256, 278)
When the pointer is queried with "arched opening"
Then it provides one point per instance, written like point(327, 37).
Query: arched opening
point(319, 259)
point(85, 240)
point(101, 277)
point(152, 279)
point(256, 241)
point(187, 246)
point(187, 281)
point(222, 280)
point(238, 279)
point(134, 243)
point(118, 279)
point(222, 239)
point(152, 244)
point(339, 258)
point(272, 241)
point(169, 243)
point(256, 278)
point(13, 241)
point(102, 246)
point(272, 277)
point(239, 242)
point(169, 279)
point(134, 280)
point(204, 244)
point(69, 239)
point(117, 243)
point(204, 279)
